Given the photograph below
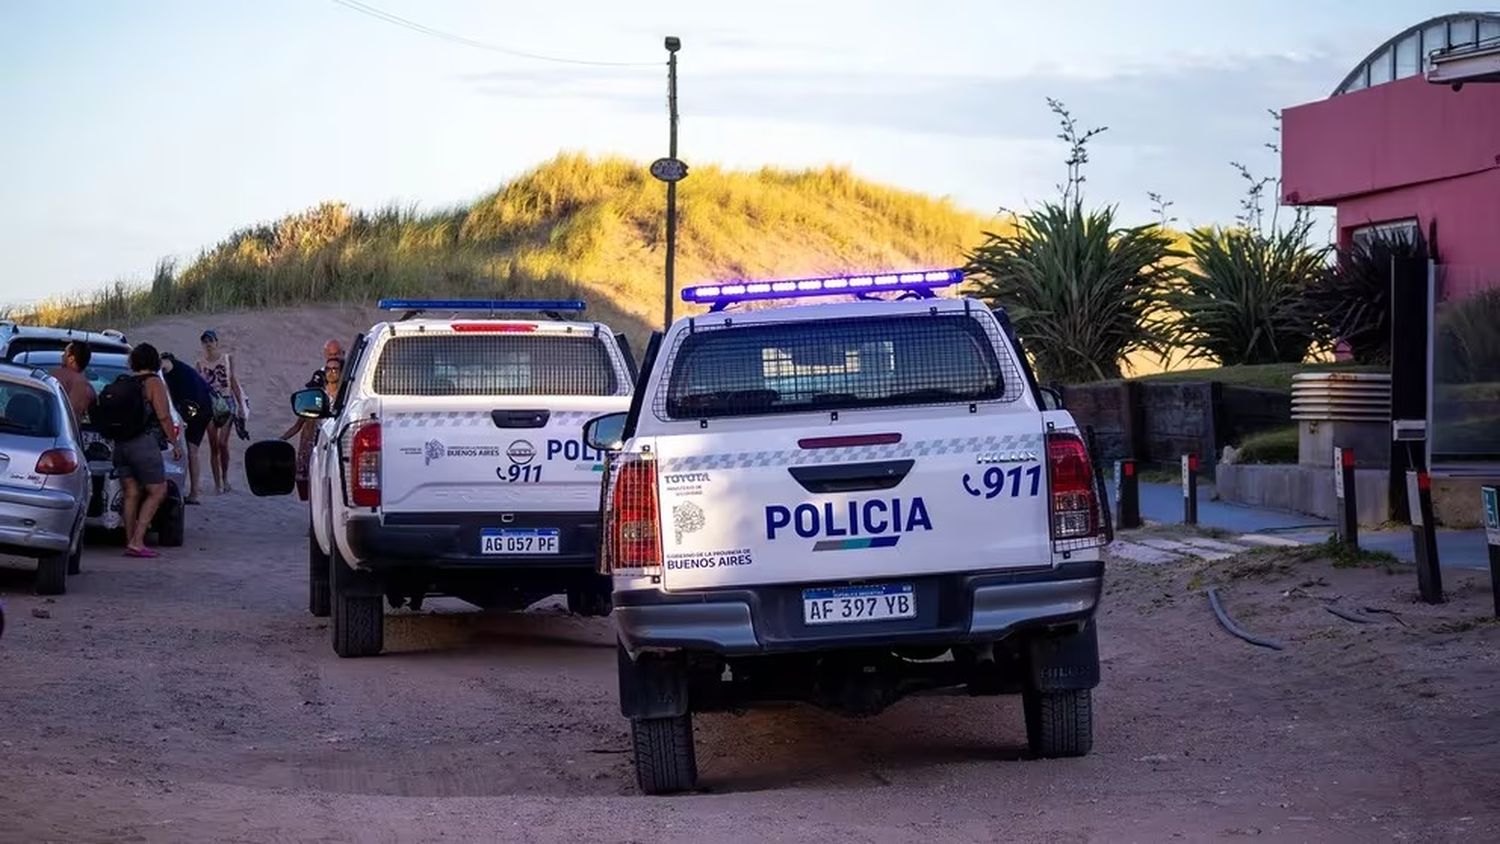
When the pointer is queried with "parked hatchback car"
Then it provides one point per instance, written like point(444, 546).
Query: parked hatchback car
point(105, 509)
point(44, 481)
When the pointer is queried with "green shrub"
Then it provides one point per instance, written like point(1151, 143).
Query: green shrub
point(1352, 302)
point(1277, 445)
point(1468, 340)
point(1082, 290)
point(1241, 299)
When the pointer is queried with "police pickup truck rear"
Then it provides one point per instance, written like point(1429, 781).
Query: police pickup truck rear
point(452, 462)
point(845, 504)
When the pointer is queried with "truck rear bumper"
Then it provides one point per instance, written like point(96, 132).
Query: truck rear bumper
point(951, 609)
point(452, 540)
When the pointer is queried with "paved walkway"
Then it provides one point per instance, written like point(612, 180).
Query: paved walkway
point(1162, 503)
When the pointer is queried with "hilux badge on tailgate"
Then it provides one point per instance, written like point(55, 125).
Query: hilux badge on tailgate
point(1005, 457)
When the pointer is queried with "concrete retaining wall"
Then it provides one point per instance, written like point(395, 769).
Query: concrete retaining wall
point(1160, 422)
point(1304, 489)
point(1309, 489)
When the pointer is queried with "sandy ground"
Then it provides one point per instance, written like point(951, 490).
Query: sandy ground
point(192, 698)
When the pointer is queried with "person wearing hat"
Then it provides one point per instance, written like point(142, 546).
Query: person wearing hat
point(217, 368)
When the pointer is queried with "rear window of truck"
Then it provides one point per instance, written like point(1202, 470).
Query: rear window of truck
point(495, 365)
point(791, 367)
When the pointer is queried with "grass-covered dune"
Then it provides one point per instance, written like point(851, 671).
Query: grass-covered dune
point(572, 226)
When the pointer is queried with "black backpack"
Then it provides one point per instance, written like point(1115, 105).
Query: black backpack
point(121, 411)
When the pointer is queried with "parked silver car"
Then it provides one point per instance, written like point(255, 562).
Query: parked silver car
point(105, 513)
point(44, 480)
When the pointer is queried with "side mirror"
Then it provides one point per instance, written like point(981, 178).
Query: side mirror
point(311, 404)
point(1051, 399)
point(605, 433)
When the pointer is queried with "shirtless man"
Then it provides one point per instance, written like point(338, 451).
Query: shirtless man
point(80, 392)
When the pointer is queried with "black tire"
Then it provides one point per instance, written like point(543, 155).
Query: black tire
point(52, 574)
point(319, 591)
point(75, 559)
point(1059, 724)
point(357, 608)
point(665, 761)
point(590, 600)
point(171, 526)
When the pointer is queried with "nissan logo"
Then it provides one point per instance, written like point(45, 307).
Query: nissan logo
point(520, 452)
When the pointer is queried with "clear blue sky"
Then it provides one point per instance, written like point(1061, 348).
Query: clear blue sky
point(137, 129)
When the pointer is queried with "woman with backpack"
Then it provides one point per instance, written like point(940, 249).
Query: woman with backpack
point(135, 412)
point(217, 368)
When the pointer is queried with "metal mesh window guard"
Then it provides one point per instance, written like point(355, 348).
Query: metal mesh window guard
point(866, 362)
point(1101, 515)
point(495, 364)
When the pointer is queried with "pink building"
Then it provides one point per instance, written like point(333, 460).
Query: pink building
point(1392, 151)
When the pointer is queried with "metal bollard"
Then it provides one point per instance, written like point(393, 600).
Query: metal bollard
point(1190, 489)
point(1128, 497)
point(1491, 498)
point(1424, 535)
point(1343, 489)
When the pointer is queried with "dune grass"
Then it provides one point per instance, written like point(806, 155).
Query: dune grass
point(573, 225)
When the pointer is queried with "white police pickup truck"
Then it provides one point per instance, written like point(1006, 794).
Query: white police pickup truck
point(845, 504)
point(452, 462)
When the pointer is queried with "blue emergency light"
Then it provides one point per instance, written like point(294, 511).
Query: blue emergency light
point(917, 284)
point(542, 305)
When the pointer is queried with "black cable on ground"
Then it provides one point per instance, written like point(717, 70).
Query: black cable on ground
point(1228, 623)
point(1348, 616)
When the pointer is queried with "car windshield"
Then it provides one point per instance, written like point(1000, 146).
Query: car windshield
point(787, 367)
point(100, 375)
point(27, 411)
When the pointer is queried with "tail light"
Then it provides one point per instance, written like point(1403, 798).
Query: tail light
point(57, 461)
point(1075, 509)
point(364, 466)
point(634, 538)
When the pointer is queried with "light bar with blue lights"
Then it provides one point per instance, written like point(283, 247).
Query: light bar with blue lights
point(919, 283)
point(543, 305)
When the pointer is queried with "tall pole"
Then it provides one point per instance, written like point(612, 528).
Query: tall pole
point(673, 45)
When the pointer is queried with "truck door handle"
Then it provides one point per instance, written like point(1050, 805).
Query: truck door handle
point(851, 477)
point(520, 418)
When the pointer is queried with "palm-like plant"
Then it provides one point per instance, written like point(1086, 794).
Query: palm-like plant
point(1241, 299)
point(1353, 302)
point(1082, 291)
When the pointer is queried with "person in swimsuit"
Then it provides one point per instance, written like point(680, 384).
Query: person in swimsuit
point(332, 370)
point(138, 461)
point(217, 368)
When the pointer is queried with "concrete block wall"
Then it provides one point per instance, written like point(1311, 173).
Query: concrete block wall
point(1303, 489)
